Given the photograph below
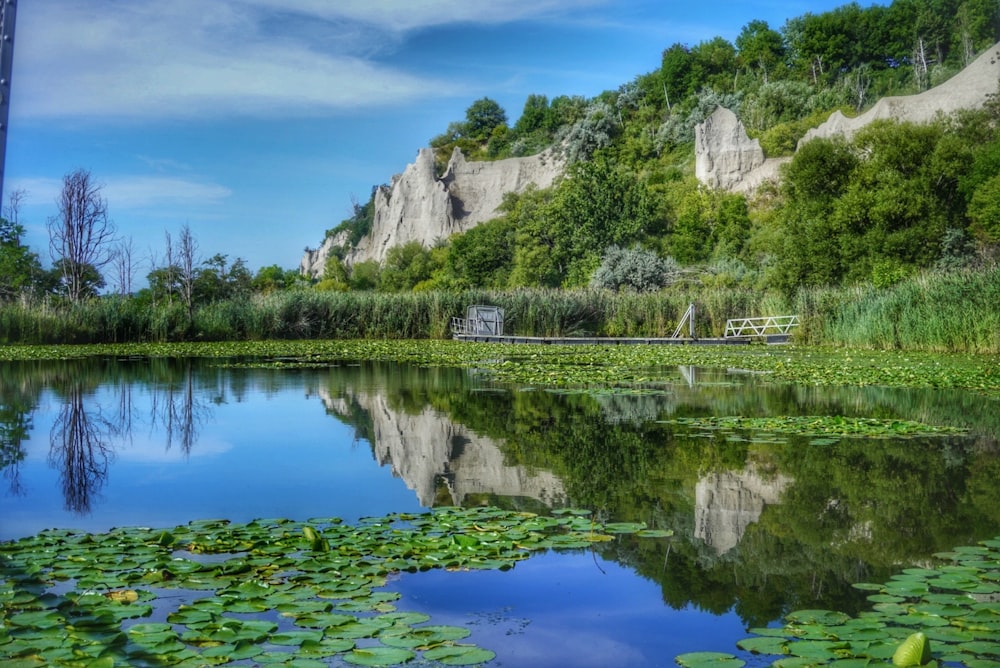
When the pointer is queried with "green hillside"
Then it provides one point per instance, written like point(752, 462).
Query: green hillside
point(896, 200)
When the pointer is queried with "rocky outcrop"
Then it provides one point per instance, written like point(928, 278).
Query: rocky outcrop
point(427, 448)
point(419, 206)
point(726, 158)
point(727, 503)
point(724, 154)
point(969, 89)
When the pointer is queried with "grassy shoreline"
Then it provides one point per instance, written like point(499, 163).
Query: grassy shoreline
point(576, 365)
point(941, 312)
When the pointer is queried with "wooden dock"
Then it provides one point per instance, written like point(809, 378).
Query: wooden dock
point(484, 324)
point(619, 341)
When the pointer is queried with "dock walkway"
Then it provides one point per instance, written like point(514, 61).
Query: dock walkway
point(616, 341)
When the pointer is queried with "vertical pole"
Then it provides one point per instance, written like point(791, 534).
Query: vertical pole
point(691, 320)
point(8, 12)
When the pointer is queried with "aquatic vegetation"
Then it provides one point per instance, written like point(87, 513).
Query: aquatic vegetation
point(835, 426)
point(633, 366)
point(949, 613)
point(271, 590)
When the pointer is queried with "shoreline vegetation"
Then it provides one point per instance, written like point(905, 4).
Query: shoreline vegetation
point(931, 312)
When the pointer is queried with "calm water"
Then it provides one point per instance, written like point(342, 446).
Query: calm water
point(763, 524)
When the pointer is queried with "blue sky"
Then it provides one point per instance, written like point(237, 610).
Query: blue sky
point(254, 122)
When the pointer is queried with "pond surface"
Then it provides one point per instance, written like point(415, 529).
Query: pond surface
point(765, 522)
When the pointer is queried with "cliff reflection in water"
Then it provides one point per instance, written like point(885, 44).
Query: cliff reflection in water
point(430, 452)
point(764, 527)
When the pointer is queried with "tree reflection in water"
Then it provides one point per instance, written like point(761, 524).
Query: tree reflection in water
point(81, 448)
point(761, 525)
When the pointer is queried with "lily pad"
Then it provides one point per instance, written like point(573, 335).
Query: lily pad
point(709, 660)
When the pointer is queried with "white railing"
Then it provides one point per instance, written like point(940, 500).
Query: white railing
point(776, 324)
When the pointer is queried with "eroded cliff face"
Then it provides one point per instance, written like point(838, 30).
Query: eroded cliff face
point(419, 206)
point(727, 503)
point(723, 152)
point(427, 447)
point(969, 89)
point(726, 158)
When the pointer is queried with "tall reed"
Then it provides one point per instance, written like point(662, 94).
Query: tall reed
point(939, 312)
point(957, 311)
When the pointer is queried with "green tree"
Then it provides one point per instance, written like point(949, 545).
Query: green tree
point(483, 256)
point(714, 66)
point(534, 116)
point(20, 269)
point(601, 204)
point(984, 211)
point(482, 117)
point(272, 278)
point(405, 267)
point(676, 70)
point(365, 275)
point(759, 47)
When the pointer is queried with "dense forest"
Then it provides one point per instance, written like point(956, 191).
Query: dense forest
point(895, 204)
point(895, 200)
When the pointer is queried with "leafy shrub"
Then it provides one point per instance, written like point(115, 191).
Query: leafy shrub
point(635, 269)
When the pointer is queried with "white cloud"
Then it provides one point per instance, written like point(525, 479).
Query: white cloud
point(132, 192)
point(404, 15)
point(187, 59)
point(138, 192)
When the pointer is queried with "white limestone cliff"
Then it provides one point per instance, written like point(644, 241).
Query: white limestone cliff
point(419, 206)
point(727, 159)
point(724, 153)
point(969, 89)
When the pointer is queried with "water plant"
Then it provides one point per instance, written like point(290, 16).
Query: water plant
point(271, 590)
point(579, 366)
point(955, 604)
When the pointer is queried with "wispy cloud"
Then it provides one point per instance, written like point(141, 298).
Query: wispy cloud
point(405, 15)
point(140, 192)
point(132, 192)
point(187, 59)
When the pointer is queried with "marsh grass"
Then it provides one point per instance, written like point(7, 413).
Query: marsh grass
point(936, 312)
point(957, 311)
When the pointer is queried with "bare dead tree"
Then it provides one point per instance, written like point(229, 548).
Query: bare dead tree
point(123, 265)
point(188, 262)
point(80, 237)
point(921, 70)
point(12, 212)
point(858, 84)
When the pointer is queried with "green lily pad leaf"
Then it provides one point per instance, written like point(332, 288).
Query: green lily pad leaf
point(326, 647)
point(405, 618)
point(949, 634)
point(868, 586)
point(821, 617)
point(764, 645)
point(379, 656)
point(295, 637)
point(323, 620)
point(655, 533)
point(41, 619)
point(980, 647)
point(624, 527)
point(459, 655)
point(823, 650)
point(796, 662)
point(709, 660)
